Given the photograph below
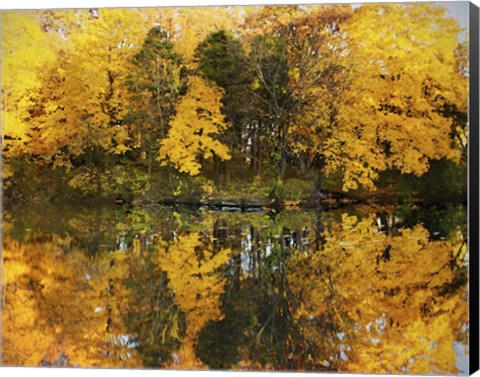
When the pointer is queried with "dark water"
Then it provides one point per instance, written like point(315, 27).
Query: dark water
point(358, 289)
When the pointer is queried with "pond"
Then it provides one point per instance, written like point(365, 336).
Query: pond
point(357, 289)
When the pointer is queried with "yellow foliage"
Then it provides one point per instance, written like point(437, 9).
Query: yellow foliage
point(25, 49)
point(191, 25)
point(193, 130)
point(404, 70)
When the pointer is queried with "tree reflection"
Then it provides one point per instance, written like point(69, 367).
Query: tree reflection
point(153, 317)
point(259, 330)
point(325, 291)
point(393, 301)
point(192, 271)
point(60, 309)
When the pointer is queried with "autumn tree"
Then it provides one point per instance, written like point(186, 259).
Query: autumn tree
point(270, 88)
point(22, 35)
point(221, 59)
point(194, 24)
point(194, 130)
point(293, 91)
point(404, 70)
point(157, 81)
point(308, 44)
point(77, 116)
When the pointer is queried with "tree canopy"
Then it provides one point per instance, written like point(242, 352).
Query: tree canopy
point(276, 92)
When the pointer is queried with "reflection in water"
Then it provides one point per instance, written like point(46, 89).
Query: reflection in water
point(358, 290)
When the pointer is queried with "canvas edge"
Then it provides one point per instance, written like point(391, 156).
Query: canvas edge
point(473, 201)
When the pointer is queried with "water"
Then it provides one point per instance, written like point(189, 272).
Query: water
point(357, 289)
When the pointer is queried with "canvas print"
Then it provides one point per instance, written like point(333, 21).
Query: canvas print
point(238, 188)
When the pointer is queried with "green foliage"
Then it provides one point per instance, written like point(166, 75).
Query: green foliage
point(444, 182)
point(158, 79)
point(298, 189)
point(129, 182)
point(292, 189)
point(222, 60)
point(139, 220)
point(441, 220)
point(192, 187)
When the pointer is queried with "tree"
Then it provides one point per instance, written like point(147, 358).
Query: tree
point(270, 65)
point(26, 48)
point(309, 43)
point(158, 80)
point(222, 60)
point(292, 91)
point(78, 115)
point(194, 24)
point(191, 136)
point(404, 71)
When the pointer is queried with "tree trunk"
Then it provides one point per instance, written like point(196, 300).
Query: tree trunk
point(216, 170)
point(259, 157)
point(318, 184)
point(283, 153)
point(150, 164)
point(220, 171)
point(253, 150)
point(282, 167)
point(225, 172)
point(302, 166)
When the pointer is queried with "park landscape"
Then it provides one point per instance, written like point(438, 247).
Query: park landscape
point(252, 188)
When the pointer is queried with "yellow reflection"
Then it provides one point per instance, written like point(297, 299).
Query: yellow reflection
point(192, 271)
point(63, 308)
point(361, 301)
point(396, 302)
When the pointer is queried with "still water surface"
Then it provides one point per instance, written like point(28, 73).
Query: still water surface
point(356, 289)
